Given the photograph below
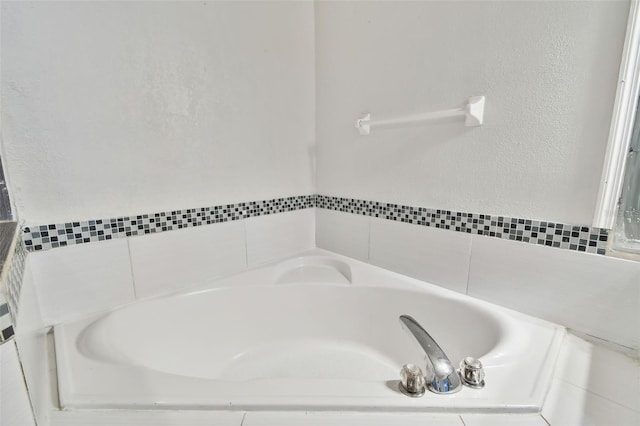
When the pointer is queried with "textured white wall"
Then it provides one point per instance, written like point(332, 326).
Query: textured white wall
point(114, 108)
point(548, 70)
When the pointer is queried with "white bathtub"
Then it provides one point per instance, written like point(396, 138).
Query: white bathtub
point(317, 332)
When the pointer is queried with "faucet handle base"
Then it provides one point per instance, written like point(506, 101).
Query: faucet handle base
point(450, 384)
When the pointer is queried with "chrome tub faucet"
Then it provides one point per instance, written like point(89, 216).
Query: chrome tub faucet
point(445, 377)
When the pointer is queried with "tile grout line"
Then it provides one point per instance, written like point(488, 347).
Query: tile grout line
point(246, 246)
point(369, 240)
point(466, 291)
point(133, 275)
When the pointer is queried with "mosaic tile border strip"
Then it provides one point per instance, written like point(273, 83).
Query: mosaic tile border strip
point(16, 274)
point(9, 306)
point(6, 325)
point(550, 234)
point(45, 237)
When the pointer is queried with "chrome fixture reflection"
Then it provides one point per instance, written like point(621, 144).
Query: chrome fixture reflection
point(472, 373)
point(412, 381)
point(445, 377)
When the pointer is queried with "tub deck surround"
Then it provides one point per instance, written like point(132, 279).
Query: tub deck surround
point(315, 332)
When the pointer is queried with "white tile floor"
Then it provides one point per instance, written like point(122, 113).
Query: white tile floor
point(593, 385)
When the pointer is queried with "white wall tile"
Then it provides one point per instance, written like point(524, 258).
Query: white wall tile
point(437, 256)
point(176, 260)
point(81, 279)
point(15, 409)
point(279, 235)
point(343, 233)
point(594, 294)
point(568, 405)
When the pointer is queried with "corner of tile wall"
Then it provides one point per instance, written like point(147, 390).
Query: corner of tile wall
point(343, 233)
point(429, 254)
point(12, 284)
point(274, 237)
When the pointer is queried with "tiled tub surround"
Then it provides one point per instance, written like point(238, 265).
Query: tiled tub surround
point(550, 234)
point(456, 227)
point(148, 244)
point(85, 278)
point(596, 295)
point(44, 237)
point(572, 237)
point(359, 237)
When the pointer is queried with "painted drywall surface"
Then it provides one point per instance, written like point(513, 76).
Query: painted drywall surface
point(115, 108)
point(548, 71)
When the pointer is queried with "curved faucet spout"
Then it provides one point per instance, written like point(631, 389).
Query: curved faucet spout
point(446, 378)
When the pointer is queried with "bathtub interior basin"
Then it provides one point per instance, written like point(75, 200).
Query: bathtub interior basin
point(313, 332)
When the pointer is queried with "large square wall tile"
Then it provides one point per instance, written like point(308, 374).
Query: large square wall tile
point(343, 233)
point(171, 261)
point(437, 256)
point(591, 293)
point(82, 279)
point(279, 235)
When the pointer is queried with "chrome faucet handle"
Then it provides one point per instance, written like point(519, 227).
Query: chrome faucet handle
point(472, 373)
point(412, 381)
